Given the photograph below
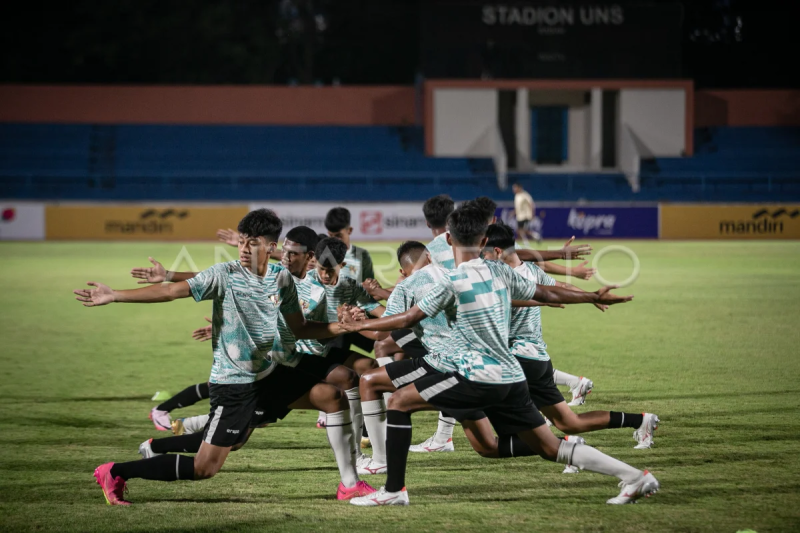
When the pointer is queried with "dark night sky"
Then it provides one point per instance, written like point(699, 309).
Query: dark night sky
point(355, 41)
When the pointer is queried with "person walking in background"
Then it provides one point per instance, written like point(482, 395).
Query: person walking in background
point(524, 209)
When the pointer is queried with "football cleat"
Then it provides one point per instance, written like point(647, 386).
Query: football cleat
point(160, 419)
point(146, 451)
point(431, 445)
point(177, 427)
point(645, 486)
point(382, 497)
point(644, 435)
point(580, 392)
point(114, 489)
point(362, 488)
point(370, 468)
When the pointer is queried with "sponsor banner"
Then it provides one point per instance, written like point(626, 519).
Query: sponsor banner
point(370, 222)
point(582, 221)
point(141, 222)
point(755, 221)
point(20, 221)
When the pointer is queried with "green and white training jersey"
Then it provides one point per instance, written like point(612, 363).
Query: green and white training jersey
point(314, 303)
point(346, 291)
point(441, 252)
point(244, 328)
point(525, 335)
point(434, 332)
point(476, 300)
point(358, 264)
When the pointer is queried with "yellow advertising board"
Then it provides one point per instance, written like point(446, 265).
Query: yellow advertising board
point(754, 221)
point(139, 223)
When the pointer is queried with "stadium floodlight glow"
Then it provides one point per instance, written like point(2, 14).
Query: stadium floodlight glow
point(625, 251)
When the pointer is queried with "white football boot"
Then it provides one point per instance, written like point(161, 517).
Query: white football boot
point(431, 445)
point(146, 451)
point(382, 497)
point(644, 435)
point(579, 393)
point(646, 486)
point(370, 468)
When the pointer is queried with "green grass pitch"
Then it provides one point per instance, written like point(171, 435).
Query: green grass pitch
point(710, 344)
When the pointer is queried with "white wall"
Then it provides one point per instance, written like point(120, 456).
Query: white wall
point(656, 118)
point(523, 129)
point(578, 135)
point(464, 121)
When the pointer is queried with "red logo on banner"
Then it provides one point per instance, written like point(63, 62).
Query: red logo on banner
point(8, 214)
point(371, 222)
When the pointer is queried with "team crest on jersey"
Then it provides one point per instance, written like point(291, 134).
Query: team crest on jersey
point(304, 305)
point(352, 269)
point(275, 299)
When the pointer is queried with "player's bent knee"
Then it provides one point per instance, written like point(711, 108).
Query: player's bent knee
point(371, 381)
point(342, 377)
point(328, 398)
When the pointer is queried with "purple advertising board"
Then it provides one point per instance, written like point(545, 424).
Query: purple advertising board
point(596, 221)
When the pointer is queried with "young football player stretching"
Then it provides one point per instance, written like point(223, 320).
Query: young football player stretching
point(248, 295)
point(481, 373)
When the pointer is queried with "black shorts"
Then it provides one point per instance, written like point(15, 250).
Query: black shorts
point(408, 371)
point(541, 385)
point(284, 386)
point(523, 224)
point(318, 366)
point(236, 408)
point(411, 345)
point(348, 339)
point(232, 408)
point(509, 407)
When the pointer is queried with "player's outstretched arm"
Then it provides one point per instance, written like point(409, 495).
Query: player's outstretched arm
point(570, 287)
point(158, 274)
point(306, 329)
point(579, 271)
point(104, 295)
point(602, 296)
point(399, 321)
point(533, 303)
point(568, 251)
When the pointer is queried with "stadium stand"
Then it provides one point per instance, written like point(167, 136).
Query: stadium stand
point(126, 162)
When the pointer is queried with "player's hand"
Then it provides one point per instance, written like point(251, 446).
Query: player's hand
point(228, 236)
point(202, 334)
point(100, 295)
point(372, 286)
point(559, 306)
point(607, 298)
point(570, 251)
point(581, 271)
point(601, 307)
point(154, 274)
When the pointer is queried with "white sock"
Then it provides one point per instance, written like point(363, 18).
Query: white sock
point(444, 431)
point(340, 436)
point(194, 424)
point(562, 378)
point(375, 420)
point(588, 458)
point(321, 417)
point(386, 396)
point(354, 399)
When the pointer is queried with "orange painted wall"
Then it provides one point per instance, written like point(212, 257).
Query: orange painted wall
point(747, 108)
point(379, 105)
